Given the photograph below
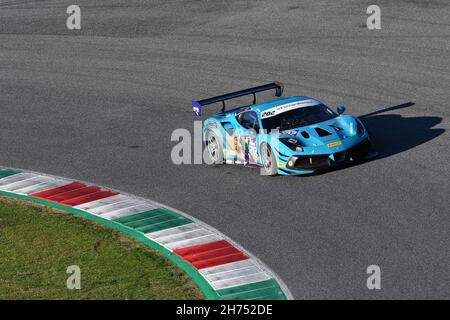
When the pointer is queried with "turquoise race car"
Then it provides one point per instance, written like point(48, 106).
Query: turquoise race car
point(288, 135)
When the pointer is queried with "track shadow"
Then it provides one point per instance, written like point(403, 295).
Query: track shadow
point(392, 133)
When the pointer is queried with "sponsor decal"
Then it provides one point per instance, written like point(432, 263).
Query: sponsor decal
point(253, 151)
point(287, 107)
point(246, 151)
point(197, 108)
point(290, 132)
point(232, 142)
point(197, 111)
point(242, 148)
point(333, 144)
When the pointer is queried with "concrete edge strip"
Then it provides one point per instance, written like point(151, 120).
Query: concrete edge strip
point(220, 267)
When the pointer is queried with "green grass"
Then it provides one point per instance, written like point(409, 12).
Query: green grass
point(37, 244)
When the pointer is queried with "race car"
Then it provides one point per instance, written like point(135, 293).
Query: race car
point(287, 136)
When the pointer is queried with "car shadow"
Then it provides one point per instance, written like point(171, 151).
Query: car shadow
point(393, 133)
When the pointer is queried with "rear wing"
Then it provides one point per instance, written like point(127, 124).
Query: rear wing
point(197, 105)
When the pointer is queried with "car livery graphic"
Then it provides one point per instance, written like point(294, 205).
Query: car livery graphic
point(288, 135)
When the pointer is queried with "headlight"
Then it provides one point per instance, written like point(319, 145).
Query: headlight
point(292, 144)
point(359, 127)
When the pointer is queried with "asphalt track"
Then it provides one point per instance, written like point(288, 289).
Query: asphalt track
point(100, 104)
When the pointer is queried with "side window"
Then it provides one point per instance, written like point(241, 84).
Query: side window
point(249, 120)
point(228, 128)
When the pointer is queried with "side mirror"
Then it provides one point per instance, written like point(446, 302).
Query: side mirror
point(340, 109)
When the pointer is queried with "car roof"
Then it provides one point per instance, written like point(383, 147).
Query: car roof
point(260, 107)
point(278, 102)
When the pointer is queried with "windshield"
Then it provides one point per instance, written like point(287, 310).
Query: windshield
point(303, 116)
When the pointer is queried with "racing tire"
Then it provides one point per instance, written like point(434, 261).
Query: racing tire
point(215, 148)
point(269, 161)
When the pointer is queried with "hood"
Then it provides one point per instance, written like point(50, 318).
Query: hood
point(322, 133)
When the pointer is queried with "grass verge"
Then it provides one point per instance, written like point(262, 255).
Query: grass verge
point(37, 244)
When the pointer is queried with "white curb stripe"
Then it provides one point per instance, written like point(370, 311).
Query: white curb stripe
point(184, 236)
point(4, 185)
point(175, 230)
point(248, 263)
point(234, 274)
point(90, 206)
point(192, 242)
point(128, 211)
point(181, 233)
point(12, 187)
point(116, 206)
point(239, 281)
point(113, 206)
point(16, 178)
point(43, 184)
point(177, 237)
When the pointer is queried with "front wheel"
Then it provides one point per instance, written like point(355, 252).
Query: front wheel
point(269, 161)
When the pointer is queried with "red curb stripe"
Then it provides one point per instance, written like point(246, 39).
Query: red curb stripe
point(73, 194)
point(211, 254)
point(88, 198)
point(51, 192)
point(202, 247)
point(219, 261)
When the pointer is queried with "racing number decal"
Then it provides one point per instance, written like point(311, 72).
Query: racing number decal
point(267, 114)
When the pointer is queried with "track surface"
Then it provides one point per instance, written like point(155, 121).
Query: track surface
point(100, 104)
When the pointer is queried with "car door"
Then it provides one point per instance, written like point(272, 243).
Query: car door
point(246, 136)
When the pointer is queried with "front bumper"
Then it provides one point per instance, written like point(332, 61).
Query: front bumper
point(304, 164)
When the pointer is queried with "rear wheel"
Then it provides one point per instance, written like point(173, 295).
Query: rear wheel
point(214, 147)
point(269, 161)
